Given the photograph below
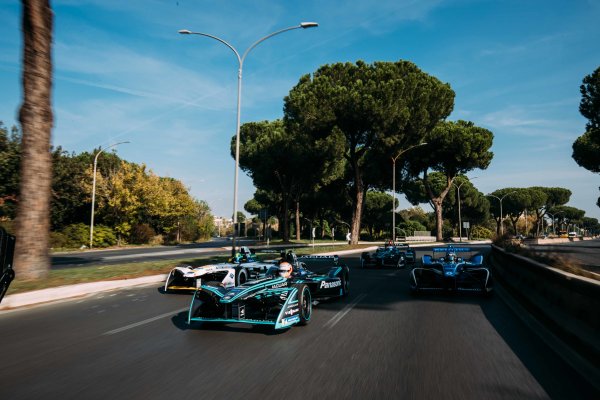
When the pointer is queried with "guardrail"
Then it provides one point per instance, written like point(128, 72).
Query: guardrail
point(567, 305)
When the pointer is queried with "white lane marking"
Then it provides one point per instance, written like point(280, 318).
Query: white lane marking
point(146, 321)
point(337, 317)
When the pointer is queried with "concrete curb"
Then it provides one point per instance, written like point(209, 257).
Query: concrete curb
point(73, 291)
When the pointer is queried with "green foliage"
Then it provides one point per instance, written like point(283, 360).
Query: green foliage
point(10, 156)
point(587, 146)
point(589, 106)
point(409, 227)
point(586, 149)
point(377, 217)
point(284, 161)
point(370, 108)
point(453, 148)
point(58, 240)
point(480, 232)
point(104, 236)
point(78, 235)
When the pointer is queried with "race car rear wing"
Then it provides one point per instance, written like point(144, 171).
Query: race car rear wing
point(451, 249)
point(334, 258)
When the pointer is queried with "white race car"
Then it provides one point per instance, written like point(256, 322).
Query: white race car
point(241, 268)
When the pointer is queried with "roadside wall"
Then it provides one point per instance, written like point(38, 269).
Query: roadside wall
point(568, 305)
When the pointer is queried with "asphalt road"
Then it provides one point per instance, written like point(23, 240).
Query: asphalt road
point(378, 343)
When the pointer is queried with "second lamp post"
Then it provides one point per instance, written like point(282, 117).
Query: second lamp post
point(241, 59)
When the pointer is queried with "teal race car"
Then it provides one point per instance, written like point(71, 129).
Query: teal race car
point(272, 300)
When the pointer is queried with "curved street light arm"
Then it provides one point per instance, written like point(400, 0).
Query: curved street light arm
point(302, 25)
point(188, 32)
point(94, 188)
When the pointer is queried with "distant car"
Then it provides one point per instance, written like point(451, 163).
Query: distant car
point(241, 268)
point(271, 300)
point(457, 270)
point(7, 251)
point(388, 256)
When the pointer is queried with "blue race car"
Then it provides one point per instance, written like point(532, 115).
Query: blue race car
point(273, 300)
point(389, 255)
point(457, 270)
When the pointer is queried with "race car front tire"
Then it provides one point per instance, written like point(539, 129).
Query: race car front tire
point(305, 301)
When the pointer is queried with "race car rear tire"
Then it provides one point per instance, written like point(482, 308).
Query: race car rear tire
point(241, 276)
point(305, 302)
point(345, 283)
point(363, 259)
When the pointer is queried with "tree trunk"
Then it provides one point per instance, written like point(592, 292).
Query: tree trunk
point(32, 260)
point(286, 219)
point(439, 221)
point(357, 213)
point(297, 219)
point(437, 204)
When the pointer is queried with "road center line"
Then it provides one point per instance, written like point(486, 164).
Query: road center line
point(337, 317)
point(146, 321)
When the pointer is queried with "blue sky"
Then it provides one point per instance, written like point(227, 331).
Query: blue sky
point(123, 73)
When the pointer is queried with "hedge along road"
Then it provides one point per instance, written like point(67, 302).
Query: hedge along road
point(377, 343)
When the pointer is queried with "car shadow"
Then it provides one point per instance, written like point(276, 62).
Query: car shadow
point(180, 322)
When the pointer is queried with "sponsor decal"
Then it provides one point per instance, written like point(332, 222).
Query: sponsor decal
point(292, 311)
point(231, 275)
point(329, 285)
point(290, 320)
point(279, 285)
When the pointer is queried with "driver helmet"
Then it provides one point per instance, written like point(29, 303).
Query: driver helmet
point(285, 269)
point(451, 257)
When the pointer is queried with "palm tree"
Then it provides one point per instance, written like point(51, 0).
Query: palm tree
point(33, 216)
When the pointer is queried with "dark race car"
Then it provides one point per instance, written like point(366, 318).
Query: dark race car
point(388, 256)
point(456, 270)
point(272, 300)
point(7, 250)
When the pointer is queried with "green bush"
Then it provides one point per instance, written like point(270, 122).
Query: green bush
point(78, 235)
point(58, 240)
point(409, 227)
point(104, 236)
point(480, 232)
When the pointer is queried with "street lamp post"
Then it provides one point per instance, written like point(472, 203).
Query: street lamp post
point(394, 187)
point(500, 199)
point(554, 215)
point(94, 189)
point(459, 219)
point(241, 59)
